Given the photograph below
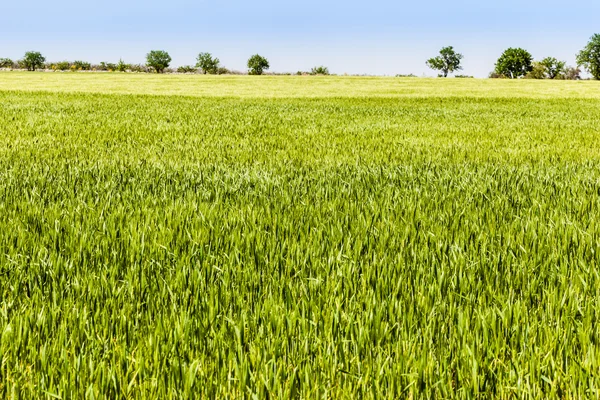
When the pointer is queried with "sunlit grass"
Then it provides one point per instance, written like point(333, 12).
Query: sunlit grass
point(354, 237)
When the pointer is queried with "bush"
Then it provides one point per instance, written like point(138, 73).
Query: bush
point(104, 66)
point(319, 71)
point(406, 76)
point(159, 60)
point(186, 69)
point(138, 68)
point(495, 75)
point(570, 74)
point(82, 65)
point(122, 66)
point(223, 71)
point(61, 66)
point(464, 76)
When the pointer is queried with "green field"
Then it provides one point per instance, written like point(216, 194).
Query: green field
point(310, 237)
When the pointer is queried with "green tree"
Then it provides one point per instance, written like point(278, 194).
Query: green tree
point(6, 63)
point(538, 71)
point(207, 63)
point(257, 64)
point(447, 62)
point(319, 71)
point(514, 63)
point(554, 68)
point(589, 57)
point(33, 60)
point(159, 60)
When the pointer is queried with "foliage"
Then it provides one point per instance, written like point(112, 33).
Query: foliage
point(82, 65)
point(571, 73)
point(186, 69)
point(514, 63)
point(321, 70)
point(495, 75)
point(317, 239)
point(106, 66)
point(406, 76)
point(257, 65)
point(159, 60)
point(223, 71)
point(33, 60)
point(538, 71)
point(6, 63)
point(447, 62)
point(464, 76)
point(207, 63)
point(122, 66)
point(61, 66)
point(554, 68)
point(589, 57)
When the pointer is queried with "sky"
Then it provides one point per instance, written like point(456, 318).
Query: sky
point(377, 37)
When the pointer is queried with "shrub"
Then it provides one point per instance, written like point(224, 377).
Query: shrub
point(514, 63)
point(105, 66)
point(138, 68)
point(464, 76)
point(61, 66)
point(186, 69)
point(257, 65)
point(319, 71)
point(495, 75)
point(406, 76)
point(571, 74)
point(122, 66)
point(82, 65)
point(33, 60)
point(223, 71)
point(159, 60)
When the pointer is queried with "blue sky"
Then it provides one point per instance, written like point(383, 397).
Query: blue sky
point(374, 37)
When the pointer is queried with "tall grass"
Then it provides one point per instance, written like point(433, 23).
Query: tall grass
point(338, 246)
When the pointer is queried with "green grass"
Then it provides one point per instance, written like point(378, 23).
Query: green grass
point(197, 237)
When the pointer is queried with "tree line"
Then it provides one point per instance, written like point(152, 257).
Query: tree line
point(514, 63)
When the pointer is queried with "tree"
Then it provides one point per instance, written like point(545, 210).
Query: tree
point(257, 64)
point(207, 63)
point(571, 73)
point(589, 57)
point(158, 59)
point(33, 60)
point(553, 67)
point(6, 63)
point(447, 62)
point(514, 63)
point(319, 71)
point(538, 71)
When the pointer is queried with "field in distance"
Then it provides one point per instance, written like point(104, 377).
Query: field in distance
point(200, 237)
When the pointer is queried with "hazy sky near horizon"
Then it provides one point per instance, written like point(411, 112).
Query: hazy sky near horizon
point(379, 37)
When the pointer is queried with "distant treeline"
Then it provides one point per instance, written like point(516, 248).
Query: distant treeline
point(513, 63)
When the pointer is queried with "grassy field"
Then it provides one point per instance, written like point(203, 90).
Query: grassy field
point(311, 237)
